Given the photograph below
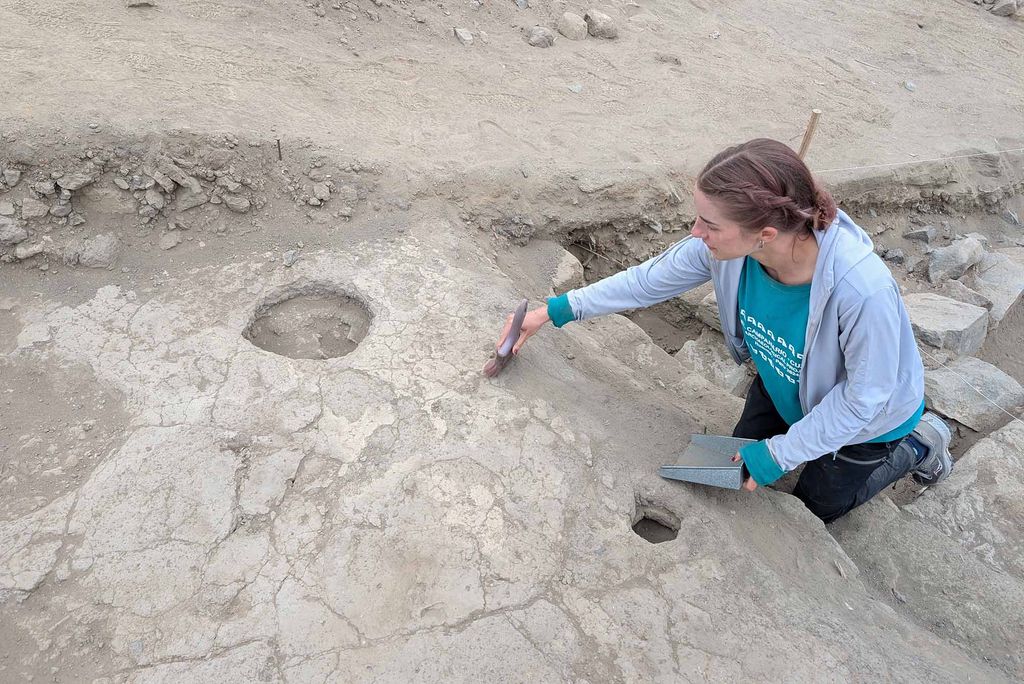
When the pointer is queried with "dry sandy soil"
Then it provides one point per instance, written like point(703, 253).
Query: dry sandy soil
point(194, 490)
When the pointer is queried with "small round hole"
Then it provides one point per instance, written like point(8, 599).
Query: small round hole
point(654, 531)
point(314, 324)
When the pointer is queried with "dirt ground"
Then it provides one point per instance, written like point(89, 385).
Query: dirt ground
point(177, 505)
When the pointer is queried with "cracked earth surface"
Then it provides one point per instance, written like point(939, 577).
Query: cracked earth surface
point(391, 515)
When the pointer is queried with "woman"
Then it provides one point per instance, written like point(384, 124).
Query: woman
point(800, 291)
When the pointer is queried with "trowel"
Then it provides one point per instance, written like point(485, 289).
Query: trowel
point(707, 460)
point(504, 352)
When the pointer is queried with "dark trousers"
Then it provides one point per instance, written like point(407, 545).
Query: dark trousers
point(833, 484)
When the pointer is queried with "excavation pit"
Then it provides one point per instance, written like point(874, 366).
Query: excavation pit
point(655, 524)
point(317, 324)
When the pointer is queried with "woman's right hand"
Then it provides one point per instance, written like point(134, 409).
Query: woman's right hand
point(533, 322)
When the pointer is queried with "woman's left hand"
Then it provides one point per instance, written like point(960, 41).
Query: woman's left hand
point(749, 483)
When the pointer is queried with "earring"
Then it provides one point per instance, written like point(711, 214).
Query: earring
point(760, 244)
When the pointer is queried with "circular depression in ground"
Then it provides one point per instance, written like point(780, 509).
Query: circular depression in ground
point(310, 323)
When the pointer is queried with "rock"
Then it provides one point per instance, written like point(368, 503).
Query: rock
point(100, 251)
point(76, 219)
point(11, 231)
point(925, 235)
point(708, 356)
point(948, 390)
point(600, 25)
point(313, 202)
point(960, 292)
point(953, 261)
point(176, 174)
point(32, 208)
point(568, 273)
point(523, 4)
point(138, 182)
point(945, 323)
point(140, 3)
point(188, 198)
point(80, 178)
point(572, 26)
point(1011, 217)
point(23, 251)
point(1004, 8)
point(154, 198)
point(896, 256)
point(170, 239)
point(290, 257)
point(164, 181)
point(45, 187)
point(236, 203)
point(910, 85)
point(229, 184)
point(980, 504)
point(666, 58)
point(464, 36)
point(61, 209)
point(6, 208)
point(999, 276)
point(121, 183)
point(11, 177)
point(707, 311)
point(540, 36)
point(321, 191)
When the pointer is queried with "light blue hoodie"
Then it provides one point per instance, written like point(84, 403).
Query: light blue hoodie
point(862, 374)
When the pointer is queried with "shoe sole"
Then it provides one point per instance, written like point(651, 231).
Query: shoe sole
point(936, 436)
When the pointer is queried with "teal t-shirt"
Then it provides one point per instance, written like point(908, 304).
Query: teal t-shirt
point(774, 319)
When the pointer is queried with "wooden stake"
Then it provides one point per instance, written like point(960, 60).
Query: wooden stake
point(809, 133)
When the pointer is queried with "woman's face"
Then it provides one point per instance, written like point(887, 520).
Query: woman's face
point(725, 239)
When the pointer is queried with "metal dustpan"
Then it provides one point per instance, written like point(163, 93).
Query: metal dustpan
point(707, 460)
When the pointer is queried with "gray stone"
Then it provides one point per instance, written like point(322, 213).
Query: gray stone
point(24, 251)
point(953, 261)
point(1004, 8)
point(523, 4)
point(600, 25)
point(896, 256)
point(707, 311)
point(61, 209)
point(164, 181)
point(76, 219)
point(322, 191)
point(960, 292)
point(708, 356)
point(138, 182)
point(980, 504)
point(945, 323)
point(100, 251)
point(999, 276)
point(464, 36)
point(229, 184)
point(236, 203)
point(32, 208)
point(170, 239)
point(11, 231)
point(78, 179)
point(290, 257)
point(1011, 217)
point(6, 208)
point(121, 183)
point(176, 174)
point(154, 198)
point(11, 177)
point(45, 187)
point(572, 26)
point(540, 36)
point(186, 198)
point(949, 391)
point(568, 273)
point(925, 235)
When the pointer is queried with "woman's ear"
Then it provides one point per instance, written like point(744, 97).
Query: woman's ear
point(768, 233)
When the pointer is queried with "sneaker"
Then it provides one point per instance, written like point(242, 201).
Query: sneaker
point(932, 433)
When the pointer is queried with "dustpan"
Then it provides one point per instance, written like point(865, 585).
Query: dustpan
point(707, 460)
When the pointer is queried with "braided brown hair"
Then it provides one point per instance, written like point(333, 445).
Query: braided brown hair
point(764, 183)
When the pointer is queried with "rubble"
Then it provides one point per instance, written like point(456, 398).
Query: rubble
point(945, 323)
point(948, 390)
point(540, 36)
point(32, 208)
point(954, 289)
point(999, 277)
point(954, 260)
point(464, 36)
point(572, 26)
point(600, 25)
point(11, 177)
point(99, 251)
point(6, 208)
point(708, 356)
point(236, 203)
point(12, 231)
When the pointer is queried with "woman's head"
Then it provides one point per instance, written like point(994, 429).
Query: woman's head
point(765, 190)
